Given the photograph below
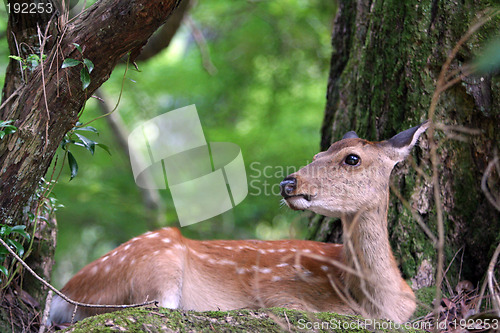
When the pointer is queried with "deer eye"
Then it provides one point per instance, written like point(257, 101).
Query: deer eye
point(352, 159)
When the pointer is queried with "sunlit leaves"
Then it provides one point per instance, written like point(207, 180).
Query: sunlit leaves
point(87, 68)
point(73, 165)
point(9, 235)
point(6, 128)
point(69, 62)
point(82, 141)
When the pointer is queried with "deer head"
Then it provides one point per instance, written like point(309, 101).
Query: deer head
point(352, 175)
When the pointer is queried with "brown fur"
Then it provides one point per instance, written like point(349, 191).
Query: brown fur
point(360, 276)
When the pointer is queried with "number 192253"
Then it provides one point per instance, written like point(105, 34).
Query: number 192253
point(30, 8)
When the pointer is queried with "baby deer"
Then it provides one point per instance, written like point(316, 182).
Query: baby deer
point(350, 180)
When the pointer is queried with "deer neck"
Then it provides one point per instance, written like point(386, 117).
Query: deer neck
point(367, 250)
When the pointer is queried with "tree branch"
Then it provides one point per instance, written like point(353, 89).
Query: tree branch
point(106, 32)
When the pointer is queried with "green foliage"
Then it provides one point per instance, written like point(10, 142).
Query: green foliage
point(31, 62)
point(267, 96)
point(6, 128)
point(87, 68)
point(81, 141)
point(10, 235)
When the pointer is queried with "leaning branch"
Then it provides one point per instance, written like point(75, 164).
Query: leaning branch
point(64, 297)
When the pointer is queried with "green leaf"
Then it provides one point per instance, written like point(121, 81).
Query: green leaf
point(21, 230)
point(5, 230)
point(78, 47)
point(33, 60)
point(16, 58)
point(65, 142)
point(89, 64)
point(87, 143)
point(69, 62)
point(9, 129)
point(2, 134)
point(103, 146)
point(85, 77)
point(17, 246)
point(4, 270)
point(73, 166)
point(87, 128)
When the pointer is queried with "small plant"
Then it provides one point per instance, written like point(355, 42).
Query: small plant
point(6, 128)
point(81, 141)
point(88, 67)
point(31, 62)
point(9, 235)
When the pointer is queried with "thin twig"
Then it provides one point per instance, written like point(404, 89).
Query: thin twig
point(42, 45)
point(46, 312)
point(441, 85)
point(414, 213)
point(64, 297)
point(202, 44)
point(484, 183)
point(491, 266)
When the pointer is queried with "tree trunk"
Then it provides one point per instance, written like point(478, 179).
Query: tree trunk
point(45, 102)
point(386, 59)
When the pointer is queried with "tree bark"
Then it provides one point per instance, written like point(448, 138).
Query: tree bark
point(386, 58)
point(45, 103)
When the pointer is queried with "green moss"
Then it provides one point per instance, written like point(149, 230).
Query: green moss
point(425, 296)
point(265, 320)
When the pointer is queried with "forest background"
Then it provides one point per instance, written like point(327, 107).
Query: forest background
point(257, 73)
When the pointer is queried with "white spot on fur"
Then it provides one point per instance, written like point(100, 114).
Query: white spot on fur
point(156, 252)
point(93, 271)
point(282, 250)
point(324, 268)
point(103, 259)
point(228, 247)
point(179, 246)
point(199, 255)
point(275, 278)
point(306, 251)
point(261, 270)
point(226, 262)
point(166, 240)
point(241, 270)
point(126, 247)
point(283, 264)
point(271, 250)
point(123, 257)
point(152, 235)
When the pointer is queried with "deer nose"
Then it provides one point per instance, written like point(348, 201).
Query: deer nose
point(288, 186)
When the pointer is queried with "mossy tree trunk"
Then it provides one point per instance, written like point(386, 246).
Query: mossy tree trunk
point(45, 102)
point(386, 59)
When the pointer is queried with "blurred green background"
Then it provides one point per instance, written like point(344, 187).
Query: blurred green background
point(266, 94)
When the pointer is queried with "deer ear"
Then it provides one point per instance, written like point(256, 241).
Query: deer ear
point(350, 135)
point(400, 145)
